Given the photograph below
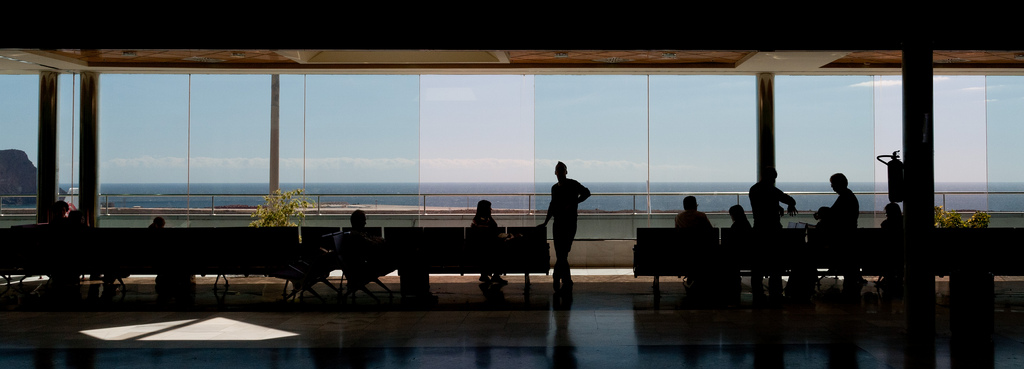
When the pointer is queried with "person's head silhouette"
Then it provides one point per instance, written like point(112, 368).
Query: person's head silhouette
point(59, 211)
point(358, 219)
point(689, 203)
point(736, 213)
point(839, 182)
point(769, 175)
point(892, 210)
point(483, 209)
point(561, 170)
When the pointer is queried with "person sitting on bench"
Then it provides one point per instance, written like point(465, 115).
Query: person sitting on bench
point(483, 219)
point(690, 217)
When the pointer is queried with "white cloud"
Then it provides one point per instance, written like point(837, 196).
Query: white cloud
point(341, 162)
point(593, 164)
point(243, 163)
point(881, 83)
point(147, 162)
point(235, 163)
point(475, 163)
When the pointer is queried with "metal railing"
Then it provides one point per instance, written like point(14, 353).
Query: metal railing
point(524, 203)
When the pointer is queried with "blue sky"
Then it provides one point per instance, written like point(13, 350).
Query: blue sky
point(453, 128)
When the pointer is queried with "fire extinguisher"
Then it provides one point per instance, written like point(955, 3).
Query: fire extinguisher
point(895, 168)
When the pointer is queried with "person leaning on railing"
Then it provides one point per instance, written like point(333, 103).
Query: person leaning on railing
point(564, 208)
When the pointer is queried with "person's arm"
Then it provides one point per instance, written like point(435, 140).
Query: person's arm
point(584, 193)
point(790, 203)
point(547, 218)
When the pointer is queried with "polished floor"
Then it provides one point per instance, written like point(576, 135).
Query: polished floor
point(610, 320)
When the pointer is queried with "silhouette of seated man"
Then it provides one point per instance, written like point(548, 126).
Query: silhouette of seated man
point(703, 281)
point(58, 214)
point(891, 280)
point(63, 283)
point(690, 217)
point(365, 257)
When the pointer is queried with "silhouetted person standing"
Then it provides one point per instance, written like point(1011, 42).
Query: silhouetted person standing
point(843, 219)
point(564, 208)
point(764, 204)
point(765, 199)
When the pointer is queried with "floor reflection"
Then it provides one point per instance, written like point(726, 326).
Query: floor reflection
point(838, 355)
point(607, 321)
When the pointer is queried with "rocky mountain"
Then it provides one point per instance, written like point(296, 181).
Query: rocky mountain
point(17, 176)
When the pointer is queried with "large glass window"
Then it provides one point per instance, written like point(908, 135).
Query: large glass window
point(404, 143)
point(19, 140)
point(144, 143)
point(1005, 103)
point(230, 132)
point(824, 125)
point(597, 126)
point(960, 134)
point(888, 115)
point(292, 131)
point(144, 132)
point(69, 135)
point(362, 137)
point(476, 137)
point(702, 139)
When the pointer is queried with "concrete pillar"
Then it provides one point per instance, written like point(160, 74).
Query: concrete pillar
point(47, 156)
point(765, 122)
point(275, 132)
point(919, 180)
point(88, 159)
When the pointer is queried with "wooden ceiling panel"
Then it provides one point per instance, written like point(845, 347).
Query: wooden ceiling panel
point(662, 60)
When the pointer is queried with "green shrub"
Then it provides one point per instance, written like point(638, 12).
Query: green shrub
point(953, 219)
point(280, 208)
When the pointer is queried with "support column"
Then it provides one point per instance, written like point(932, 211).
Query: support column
point(275, 132)
point(47, 153)
point(765, 122)
point(919, 182)
point(88, 159)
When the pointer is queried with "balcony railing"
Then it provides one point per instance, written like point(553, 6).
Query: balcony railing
point(530, 203)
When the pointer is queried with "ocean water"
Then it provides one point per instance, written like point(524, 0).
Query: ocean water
point(629, 196)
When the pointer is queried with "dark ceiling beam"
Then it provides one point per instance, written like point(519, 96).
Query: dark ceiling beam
point(718, 27)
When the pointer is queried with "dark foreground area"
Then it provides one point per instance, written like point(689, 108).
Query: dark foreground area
point(609, 320)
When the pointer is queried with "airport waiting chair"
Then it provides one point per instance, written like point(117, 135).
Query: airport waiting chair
point(310, 270)
point(358, 267)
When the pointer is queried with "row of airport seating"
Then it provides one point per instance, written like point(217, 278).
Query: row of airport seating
point(681, 252)
point(45, 250)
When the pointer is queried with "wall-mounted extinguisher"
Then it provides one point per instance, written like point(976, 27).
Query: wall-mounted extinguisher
point(895, 175)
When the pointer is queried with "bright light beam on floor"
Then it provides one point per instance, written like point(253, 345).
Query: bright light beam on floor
point(216, 329)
